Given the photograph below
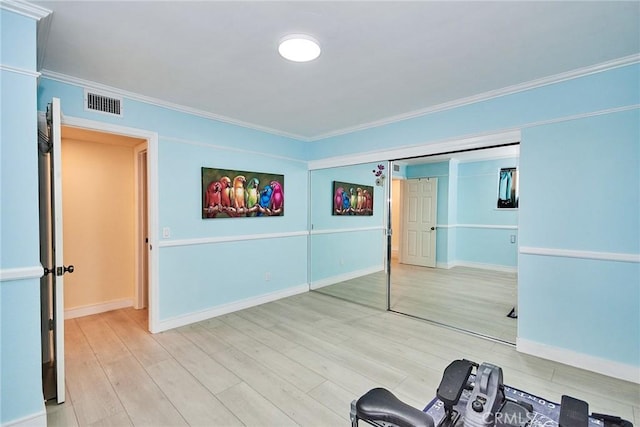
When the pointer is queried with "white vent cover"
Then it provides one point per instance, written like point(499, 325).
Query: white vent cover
point(102, 103)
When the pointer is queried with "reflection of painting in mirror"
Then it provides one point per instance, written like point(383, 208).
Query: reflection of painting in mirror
point(352, 199)
point(232, 194)
point(508, 188)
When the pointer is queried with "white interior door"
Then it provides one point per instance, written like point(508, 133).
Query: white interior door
point(419, 207)
point(52, 284)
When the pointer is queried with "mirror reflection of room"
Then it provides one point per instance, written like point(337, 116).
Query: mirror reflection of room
point(454, 253)
point(348, 243)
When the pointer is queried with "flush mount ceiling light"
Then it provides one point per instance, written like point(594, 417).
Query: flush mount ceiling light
point(299, 48)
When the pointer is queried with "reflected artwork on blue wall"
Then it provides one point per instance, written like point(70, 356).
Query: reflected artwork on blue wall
point(232, 194)
point(508, 188)
point(352, 199)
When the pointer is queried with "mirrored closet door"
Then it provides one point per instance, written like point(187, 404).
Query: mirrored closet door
point(454, 242)
point(348, 243)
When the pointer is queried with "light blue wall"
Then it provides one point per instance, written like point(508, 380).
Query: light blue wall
point(198, 277)
point(347, 248)
point(580, 186)
point(20, 356)
point(588, 215)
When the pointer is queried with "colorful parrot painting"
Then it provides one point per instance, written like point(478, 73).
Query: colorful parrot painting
point(212, 202)
point(277, 197)
point(346, 202)
point(238, 193)
point(265, 199)
point(251, 196)
point(352, 199)
point(225, 197)
point(337, 200)
point(228, 193)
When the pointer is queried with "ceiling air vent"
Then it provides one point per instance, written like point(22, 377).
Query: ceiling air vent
point(102, 103)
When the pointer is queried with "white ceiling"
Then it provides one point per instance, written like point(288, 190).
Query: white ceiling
point(380, 61)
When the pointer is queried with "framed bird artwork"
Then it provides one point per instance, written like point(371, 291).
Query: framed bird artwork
point(352, 199)
point(230, 193)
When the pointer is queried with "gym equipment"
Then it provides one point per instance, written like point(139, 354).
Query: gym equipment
point(466, 398)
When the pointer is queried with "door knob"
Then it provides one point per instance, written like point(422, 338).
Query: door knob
point(61, 270)
point(433, 228)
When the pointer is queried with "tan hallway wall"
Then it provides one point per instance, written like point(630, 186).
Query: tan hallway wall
point(99, 220)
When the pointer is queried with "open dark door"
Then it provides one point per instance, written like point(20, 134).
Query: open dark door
point(51, 254)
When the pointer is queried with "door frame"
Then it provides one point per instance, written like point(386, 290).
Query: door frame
point(140, 166)
point(152, 202)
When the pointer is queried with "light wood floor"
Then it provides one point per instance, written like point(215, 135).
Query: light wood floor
point(297, 361)
point(471, 299)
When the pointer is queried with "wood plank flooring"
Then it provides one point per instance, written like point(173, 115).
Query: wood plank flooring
point(299, 361)
point(471, 299)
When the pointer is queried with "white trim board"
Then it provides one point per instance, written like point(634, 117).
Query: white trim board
point(346, 230)
point(585, 361)
point(22, 71)
point(22, 273)
point(186, 319)
point(343, 277)
point(226, 239)
point(103, 307)
point(572, 253)
point(478, 265)
point(489, 226)
point(39, 419)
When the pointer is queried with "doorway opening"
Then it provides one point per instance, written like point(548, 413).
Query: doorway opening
point(105, 221)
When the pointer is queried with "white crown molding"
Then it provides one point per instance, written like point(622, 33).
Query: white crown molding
point(533, 84)
point(63, 78)
point(585, 361)
point(219, 310)
point(22, 71)
point(25, 9)
point(24, 273)
point(227, 239)
point(345, 230)
point(572, 253)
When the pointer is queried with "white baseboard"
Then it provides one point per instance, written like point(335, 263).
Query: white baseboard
point(198, 316)
point(482, 266)
point(585, 361)
point(344, 277)
point(103, 307)
point(38, 419)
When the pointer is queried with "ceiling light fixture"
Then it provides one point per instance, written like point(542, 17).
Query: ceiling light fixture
point(299, 48)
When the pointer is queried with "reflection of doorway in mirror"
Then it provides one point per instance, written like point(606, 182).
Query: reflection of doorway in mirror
point(419, 207)
point(508, 188)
